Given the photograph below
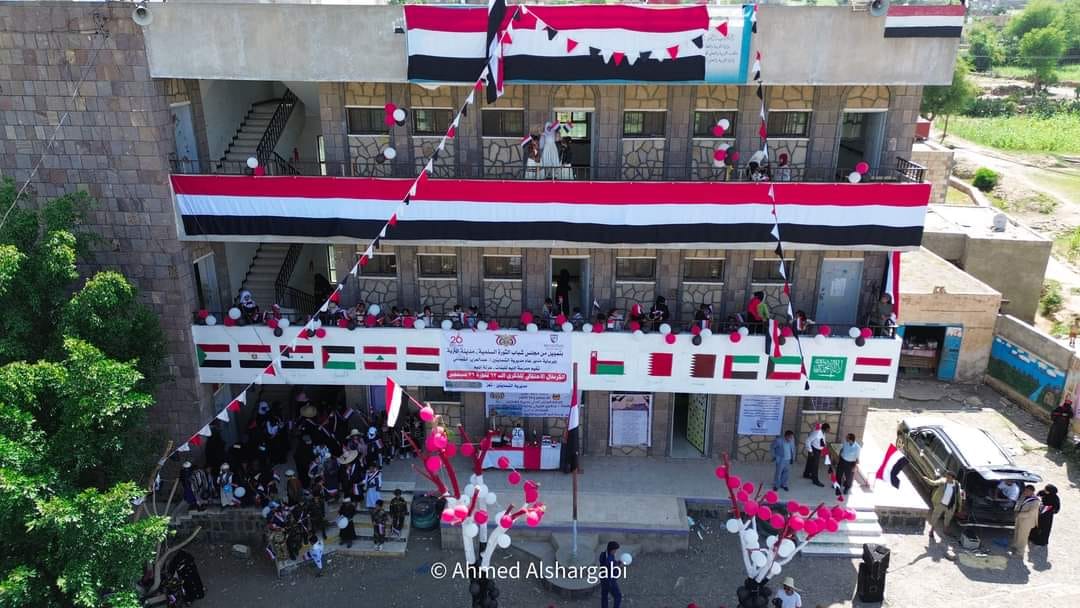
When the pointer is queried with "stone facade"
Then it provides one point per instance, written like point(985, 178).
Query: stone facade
point(867, 97)
point(645, 97)
point(502, 298)
point(503, 158)
point(365, 94)
point(440, 294)
point(939, 164)
point(693, 295)
point(363, 149)
point(628, 293)
point(643, 159)
point(383, 292)
point(789, 98)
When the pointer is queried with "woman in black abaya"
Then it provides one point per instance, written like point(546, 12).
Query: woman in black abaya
point(1051, 504)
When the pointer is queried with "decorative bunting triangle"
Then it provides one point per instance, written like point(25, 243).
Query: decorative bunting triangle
point(270, 371)
point(606, 55)
point(756, 68)
point(775, 232)
point(442, 144)
point(593, 51)
point(336, 296)
point(223, 415)
point(699, 41)
point(570, 45)
point(375, 243)
point(673, 51)
point(393, 220)
point(506, 39)
point(205, 431)
point(408, 198)
point(723, 29)
point(435, 153)
point(618, 57)
point(763, 132)
point(469, 100)
point(382, 233)
point(234, 405)
point(324, 307)
point(464, 110)
point(184, 448)
point(772, 193)
point(355, 271)
point(364, 260)
point(759, 93)
point(753, 28)
point(632, 58)
point(412, 190)
point(783, 271)
point(779, 251)
point(757, 56)
point(195, 440)
point(429, 166)
point(551, 33)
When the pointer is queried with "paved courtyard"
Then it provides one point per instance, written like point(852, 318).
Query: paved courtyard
point(921, 575)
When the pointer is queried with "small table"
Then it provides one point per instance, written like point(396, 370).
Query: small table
point(528, 458)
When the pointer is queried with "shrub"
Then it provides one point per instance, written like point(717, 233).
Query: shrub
point(1051, 301)
point(985, 179)
point(985, 107)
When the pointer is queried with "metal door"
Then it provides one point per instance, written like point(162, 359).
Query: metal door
point(950, 352)
point(184, 131)
point(838, 292)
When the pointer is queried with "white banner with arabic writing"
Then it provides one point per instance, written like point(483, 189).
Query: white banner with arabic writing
point(507, 361)
point(528, 405)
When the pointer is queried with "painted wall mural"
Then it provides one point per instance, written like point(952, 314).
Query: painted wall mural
point(1025, 373)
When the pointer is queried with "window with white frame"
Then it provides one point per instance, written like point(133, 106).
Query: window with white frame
point(635, 269)
point(380, 265)
point(705, 120)
point(436, 265)
point(366, 121)
point(502, 266)
point(703, 270)
point(766, 271)
point(644, 123)
point(788, 124)
point(431, 121)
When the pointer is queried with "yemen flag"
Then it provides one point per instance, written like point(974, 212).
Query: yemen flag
point(209, 355)
point(422, 358)
point(893, 463)
point(606, 366)
point(251, 355)
point(784, 368)
point(660, 364)
point(703, 366)
point(300, 356)
point(380, 358)
point(393, 401)
point(496, 14)
point(338, 357)
point(872, 369)
point(741, 367)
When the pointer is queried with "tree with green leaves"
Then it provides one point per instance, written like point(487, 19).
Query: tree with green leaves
point(1037, 14)
point(984, 48)
point(1041, 50)
point(73, 398)
point(951, 99)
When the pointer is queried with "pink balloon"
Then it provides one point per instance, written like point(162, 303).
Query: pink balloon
point(839, 499)
point(733, 481)
point(735, 337)
point(695, 330)
point(771, 497)
point(777, 521)
point(451, 450)
point(866, 332)
point(735, 156)
point(742, 496)
point(751, 508)
point(506, 522)
point(824, 330)
point(764, 513)
point(792, 507)
point(532, 519)
point(493, 325)
point(598, 328)
point(718, 131)
point(526, 317)
point(804, 510)
point(852, 515)
point(514, 478)
point(797, 523)
point(320, 333)
point(831, 525)
point(370, 320)
point(481, 517)
point(467, 449)
point(433, 464)
point(862, 168)
point(503, 462)
point(812, 526)
point(408, 322)
point(838, 513)
point(532, 491)
point(748, 487)
point(427, 414)
point(721, 472)
point(719, 154)
point(786, 332)
point(448, 516)
point(438, 440)
point(461, 511)
point(823, 512)
point(670, 338)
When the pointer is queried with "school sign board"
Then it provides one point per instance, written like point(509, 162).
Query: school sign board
point(542, 362)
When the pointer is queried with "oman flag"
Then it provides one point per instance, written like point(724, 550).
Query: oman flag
point(601, 364)
point(380, 358)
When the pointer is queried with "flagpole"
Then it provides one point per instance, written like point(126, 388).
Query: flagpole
point(575, 467)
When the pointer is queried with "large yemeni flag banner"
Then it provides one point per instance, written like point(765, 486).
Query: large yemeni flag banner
point(550, 213)
point(924, 21)
point(585, 43)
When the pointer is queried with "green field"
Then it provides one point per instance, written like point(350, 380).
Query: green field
point(1059, 134)
point(1066, 73)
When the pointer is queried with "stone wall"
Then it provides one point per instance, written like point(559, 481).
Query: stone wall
point(628, 293)
point(115, 145)
point(939, 164)
point(643, 159)
point(383, 292)
point(502, 298)
point(440, 294)
point(245, 526)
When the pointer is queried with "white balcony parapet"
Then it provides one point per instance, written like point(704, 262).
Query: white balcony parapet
point(609, 361)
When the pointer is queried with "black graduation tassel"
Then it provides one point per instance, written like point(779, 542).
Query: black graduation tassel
point(699, 41)
point(551, 32)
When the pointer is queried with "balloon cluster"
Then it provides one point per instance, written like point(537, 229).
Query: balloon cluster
point(752, 503)
point(861, 169)
point(737, 335)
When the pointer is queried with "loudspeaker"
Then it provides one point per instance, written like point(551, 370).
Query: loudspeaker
point(141, 15)
point(876, 556)
point(870, 588)
point(878, 8)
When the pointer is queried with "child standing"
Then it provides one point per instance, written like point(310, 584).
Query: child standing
point(1073, 331)
point(378, 524)
point(316, 554)
point(398, 510)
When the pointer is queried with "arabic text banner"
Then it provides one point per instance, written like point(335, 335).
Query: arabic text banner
point(507, 361)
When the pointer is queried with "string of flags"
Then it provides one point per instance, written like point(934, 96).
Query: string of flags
point(313, 329)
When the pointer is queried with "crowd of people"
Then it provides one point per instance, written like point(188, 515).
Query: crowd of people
point(333, 455)
point(549, 155)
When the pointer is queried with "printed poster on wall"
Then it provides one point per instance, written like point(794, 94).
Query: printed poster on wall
point(761, 414)
point(631, 420)
point(507, 361)
point(528, 405)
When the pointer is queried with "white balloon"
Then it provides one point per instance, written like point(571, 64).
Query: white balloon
point(342, 522)
point(252, 162)
point(758, 558)
point(447, 324)
point(210, 320)
point(587, 328)
point(787, 547)
point(532, 328)
point(234, 313)
point(638, 334)
point(316, 323)
point(482, 490)
point(854, 332)
point(470, 529)
point(389, 153)
point(724, 123)
point(491, 498)
point(705, 333)
point(724, 147)
point(743, 331)
point(733, 525)
point(469, 490)
point(419, 324)
point(770, 541)
point(749, 538)
point(399, 115)
point(568, 327)
point(626, 559)
point(854, 177)
point(283, 323)
point(665, 329)
point(774, 571)
point(820, 340)
point(481, 325)
point(473, 479)
point(374, 310)
point(504, 541)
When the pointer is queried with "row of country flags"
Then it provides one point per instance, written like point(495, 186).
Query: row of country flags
point(372, 358)
point(749, 367)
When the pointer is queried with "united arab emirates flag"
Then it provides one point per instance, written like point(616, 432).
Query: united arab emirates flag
point(741, 367)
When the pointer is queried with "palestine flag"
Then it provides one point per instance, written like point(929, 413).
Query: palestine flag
point(338, 357)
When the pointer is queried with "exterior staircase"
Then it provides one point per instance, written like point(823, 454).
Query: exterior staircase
point(262, 274)
point(258, 134)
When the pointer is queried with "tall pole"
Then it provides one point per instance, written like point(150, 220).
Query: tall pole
point(574, 463)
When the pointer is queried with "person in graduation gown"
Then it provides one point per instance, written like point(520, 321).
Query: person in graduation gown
point(351, 474)
point(1051, 504)
point(348, 511)
point(372, 485)
point(1060, 420)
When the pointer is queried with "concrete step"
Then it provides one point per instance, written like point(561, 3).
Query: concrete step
point(360, 548)
point(849, 551)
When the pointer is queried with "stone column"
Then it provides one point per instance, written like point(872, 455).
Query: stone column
point(669, 280)
point(602, 271)
point(737, 267)
point(825, 127)
point(663, 404)
point(804, 285)
point(725, 411)
point(607, 130)
point(904, 104)
point(596, 404)
point(853, 418)
point(677, 147)
point(405, 164)
point(408, 295)
point(470, 277)
point(537, 279)
point(335, 127)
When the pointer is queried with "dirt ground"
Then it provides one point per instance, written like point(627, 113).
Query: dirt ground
point(921, 575)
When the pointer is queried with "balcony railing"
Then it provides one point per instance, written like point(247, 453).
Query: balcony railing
point(903, 170)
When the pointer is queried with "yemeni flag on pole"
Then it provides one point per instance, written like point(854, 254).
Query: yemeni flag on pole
point(891, 284)
point(339, 357)
point(380, 358)
point(496, 14)
point(741, 367)
point(601, 364)
point(891, 465)
point(422, 358)
point(393, 401)
point(568, 457)
point(772, 339)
